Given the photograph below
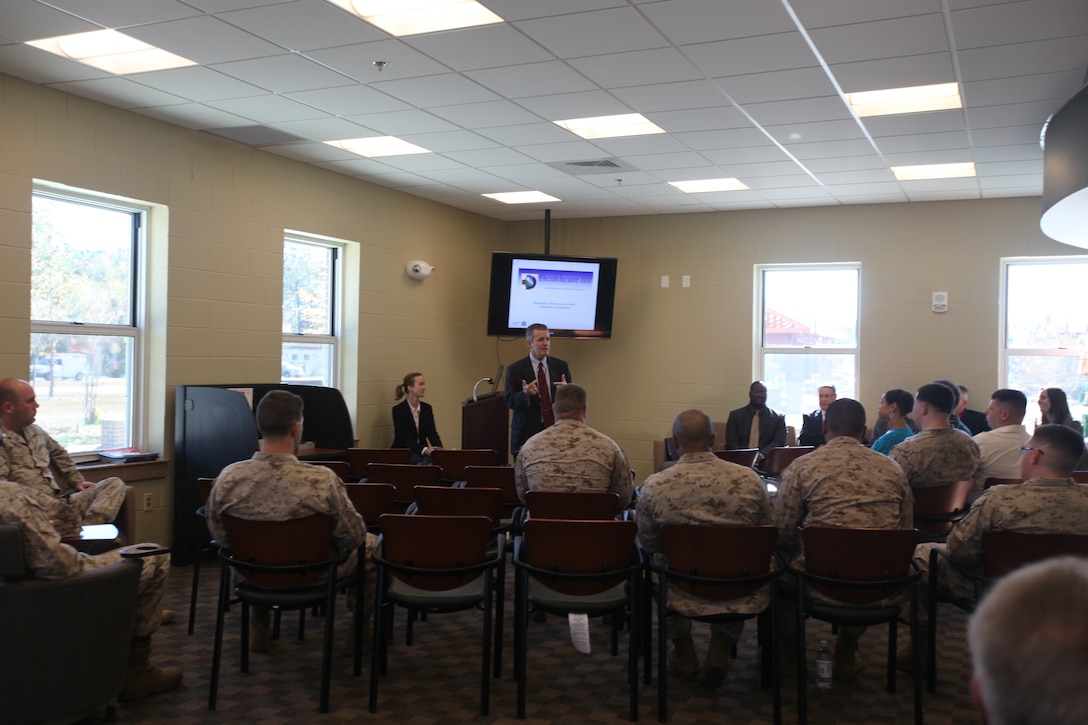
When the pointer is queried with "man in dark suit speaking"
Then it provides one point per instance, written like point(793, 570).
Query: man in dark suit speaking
point(755, 425)
point(530, 387)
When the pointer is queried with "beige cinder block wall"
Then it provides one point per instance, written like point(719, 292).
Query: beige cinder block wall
point(676, 348)
point(217, 262)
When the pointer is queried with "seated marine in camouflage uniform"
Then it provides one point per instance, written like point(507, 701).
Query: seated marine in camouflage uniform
point(571, 456)
point(701, 489)
point(30, 457)
point(938, 454)
point(275, 486)
point(48, 558)
point(843, 484)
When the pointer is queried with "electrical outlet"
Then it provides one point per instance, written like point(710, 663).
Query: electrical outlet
point(147, 502)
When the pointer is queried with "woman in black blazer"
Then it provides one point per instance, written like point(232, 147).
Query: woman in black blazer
point(412, 430)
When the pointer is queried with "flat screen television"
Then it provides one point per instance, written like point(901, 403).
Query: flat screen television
point(573, 296)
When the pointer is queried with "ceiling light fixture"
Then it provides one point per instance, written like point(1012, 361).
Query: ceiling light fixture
point(703, 186)
point(522, 197)
point(628, 124)
point(934, 171)
point(376, 146)
point(111, 51)
point(411, 17)
point(916, 99)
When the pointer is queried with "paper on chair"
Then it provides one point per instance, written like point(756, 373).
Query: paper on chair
point(579, 632)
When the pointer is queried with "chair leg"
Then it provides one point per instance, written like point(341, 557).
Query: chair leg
point(195, 587)
point(245, 637)
point(776, 666)
point(802, 665)
point(221, 608)
point(378, 643)
point(521, 636)
point(893, 640)
point(358, 622)
point(500, 590)
point(931, 633)
point(326, 653)
point(662, 652)
point(916, 658)
point(485, 667)
point(634, 611)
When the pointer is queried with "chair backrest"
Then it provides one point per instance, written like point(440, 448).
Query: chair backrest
point(718, 552)
point(372, 500)
point(294, 542)
point(583, 505)
point(1001, 482)
point(781, 457)
point(501, 477)
point(605, 549)
point(452, 461)
point(340, 468)
point(1006, 551)
point(450, 501)
point(858, 556)
point(1080, 476)
point(434, 542)
point(740, 456)
point(937, 508)
point(404, 476)
point(358, 458)
point(791, 436)
point(204, 489)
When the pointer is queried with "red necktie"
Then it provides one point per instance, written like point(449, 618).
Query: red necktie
point(545, 395)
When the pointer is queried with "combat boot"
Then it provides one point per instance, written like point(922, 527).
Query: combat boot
point(143, 678)
point(682, 659)
point(717, 660)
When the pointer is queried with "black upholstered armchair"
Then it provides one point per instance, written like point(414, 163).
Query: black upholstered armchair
point(64, 642)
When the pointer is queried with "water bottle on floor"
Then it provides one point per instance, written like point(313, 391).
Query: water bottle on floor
point(824, 666)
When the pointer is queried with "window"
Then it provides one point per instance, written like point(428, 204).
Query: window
point(86, 319)
point(1046, 330)
point(311, 312)
point(808, 334)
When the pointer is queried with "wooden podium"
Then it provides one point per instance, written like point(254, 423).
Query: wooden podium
point(485, 423)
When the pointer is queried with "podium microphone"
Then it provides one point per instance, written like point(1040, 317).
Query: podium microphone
point(489, 381)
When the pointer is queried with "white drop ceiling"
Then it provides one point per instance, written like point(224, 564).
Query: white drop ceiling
point(750, 89)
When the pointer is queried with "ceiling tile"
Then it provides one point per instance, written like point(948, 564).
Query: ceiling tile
point(397, 123)
point(535, 79)
point(487, 114)
point(197, 83)
point(593, 33)
point(267, 109)
point(349, 100)
point(119, 14)
point(284, 73)
point(685, 22)
point(358, 60)
point(915, 35)
point(205, 40)
point(25, 21)
point(763, 54)
point(441, 90)
point(487, 46)
point(638, 68)
point(195, 116)
point(120, 92)
point(304, 24)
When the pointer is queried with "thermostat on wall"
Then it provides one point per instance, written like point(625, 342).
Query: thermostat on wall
point(940, 302)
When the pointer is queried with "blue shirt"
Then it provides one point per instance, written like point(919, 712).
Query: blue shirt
point(885, 443)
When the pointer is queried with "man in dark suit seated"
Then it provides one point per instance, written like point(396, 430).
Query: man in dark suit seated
point(755, 425)
point(812, 426)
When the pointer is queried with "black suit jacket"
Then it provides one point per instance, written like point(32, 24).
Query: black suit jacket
point(405, 434)
point(772, 429)
point(528, 417)
point(812, 429)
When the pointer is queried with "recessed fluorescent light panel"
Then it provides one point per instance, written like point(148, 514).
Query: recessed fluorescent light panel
point(628, 124)
point(411, 17)
point(378, 146)
point(934, 171)
point(111, 51)
point(702, 186)
point(522, 197)
point(916, 99)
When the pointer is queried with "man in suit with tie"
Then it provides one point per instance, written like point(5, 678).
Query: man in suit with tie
point(755, 425)
point(530, 387)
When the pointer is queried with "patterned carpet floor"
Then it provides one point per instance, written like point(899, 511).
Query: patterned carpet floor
point(436, 679)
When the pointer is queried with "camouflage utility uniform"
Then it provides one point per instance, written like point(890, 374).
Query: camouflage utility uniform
point(571, 456)
point(702, 489)
point(279, 487)
point(34, 460)
point(48, 558)
point(1036, 506)
point(937, 457)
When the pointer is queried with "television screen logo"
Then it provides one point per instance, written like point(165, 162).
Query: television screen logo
point(528, 281)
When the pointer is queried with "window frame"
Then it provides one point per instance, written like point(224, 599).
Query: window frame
point(337, 301)
point(137, 433)
point(760, 350)
point(1005, 352)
